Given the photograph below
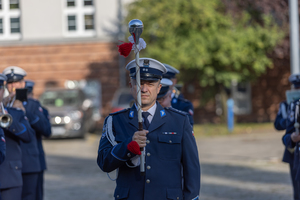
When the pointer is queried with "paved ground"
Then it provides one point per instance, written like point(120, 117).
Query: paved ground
point(240, 167)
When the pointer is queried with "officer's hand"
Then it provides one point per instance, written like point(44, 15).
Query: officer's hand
point(295, 138)
point(18, 104)
point(140, 137)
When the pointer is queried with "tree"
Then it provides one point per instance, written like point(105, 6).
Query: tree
point(206, 43)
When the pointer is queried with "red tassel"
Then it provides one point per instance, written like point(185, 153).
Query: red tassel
point(125, 49)
point(134, 147)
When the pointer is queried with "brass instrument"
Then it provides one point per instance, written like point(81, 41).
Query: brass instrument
point(5, 118)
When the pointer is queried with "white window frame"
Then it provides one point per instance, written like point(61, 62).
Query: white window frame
point(5, 15)
point(79, 10)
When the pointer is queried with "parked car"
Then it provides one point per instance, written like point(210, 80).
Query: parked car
point(122, 99)
point(70, 111)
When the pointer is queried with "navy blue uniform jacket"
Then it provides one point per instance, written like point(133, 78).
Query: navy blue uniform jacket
point(172, 163)
point(185, 105)
point(281, 117)
point(281, 123)
point(40, 123)
point(2, 146)
point(287, 141)
point(20, 130)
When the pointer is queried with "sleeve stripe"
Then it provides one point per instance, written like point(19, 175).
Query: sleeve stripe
point(115, 155)
point(35, 121)
point(23, 131)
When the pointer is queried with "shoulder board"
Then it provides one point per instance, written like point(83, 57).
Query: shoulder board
point(121, 111)
point(29, 100)
point(11, 109)
point(176, 111)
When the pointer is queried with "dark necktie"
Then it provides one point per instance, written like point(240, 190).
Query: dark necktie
point(146, 122)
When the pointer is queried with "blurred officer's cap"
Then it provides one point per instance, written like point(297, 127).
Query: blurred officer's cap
point(150, 69)
point(2, 79)
point(171, 72)
point(166, 83)
point(295, 80)
point(29, 85)
point(14, 74)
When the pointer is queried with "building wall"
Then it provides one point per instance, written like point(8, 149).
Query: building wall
point(41, 19)
point(61, 62)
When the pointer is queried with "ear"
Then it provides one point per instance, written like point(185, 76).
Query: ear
point(158, 88)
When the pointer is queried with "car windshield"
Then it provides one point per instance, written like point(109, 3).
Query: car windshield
point(60, 98)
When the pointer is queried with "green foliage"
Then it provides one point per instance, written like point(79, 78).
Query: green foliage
point(197, 35)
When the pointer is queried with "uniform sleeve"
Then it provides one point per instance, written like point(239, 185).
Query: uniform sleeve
point(37, 119)
point(286, 138)
point(281, 120)
point(189, 109)
point(2, 146)
point(112, 157)
point(47, 132)
point(20, 127)
point(190, 163)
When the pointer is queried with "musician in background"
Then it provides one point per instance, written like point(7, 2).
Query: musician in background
point(40, 191)
point(178, 101)
point(16, 132)
point(285, 119)
point(30, 157)
point(164, 96)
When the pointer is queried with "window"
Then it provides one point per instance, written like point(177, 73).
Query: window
point(88, 2)
point(79, 18)
point(70, 3)
point(89, 22)
point(0, 5)
point(1, 26)
point(72, 23)
point(241, 94)
point(15, 25)
point(14, 4)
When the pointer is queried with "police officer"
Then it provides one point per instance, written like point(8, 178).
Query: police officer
point(164, 96)
point(285, 119)
point(171, 171)
point(178, 101)
point(30, 157)
point(19, 130)
point(40, 191)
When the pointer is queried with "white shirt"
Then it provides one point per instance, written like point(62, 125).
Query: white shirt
point(151, 111)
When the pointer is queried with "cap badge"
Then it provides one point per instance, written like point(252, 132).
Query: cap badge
point(146, 63)
point(12, 72)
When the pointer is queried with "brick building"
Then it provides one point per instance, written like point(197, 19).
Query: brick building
point(62, 40)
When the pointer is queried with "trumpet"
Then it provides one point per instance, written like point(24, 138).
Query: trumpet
point(5, 118)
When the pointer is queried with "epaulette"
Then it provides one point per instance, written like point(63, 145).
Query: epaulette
point(120, 111)
point(176, 92)
point(175, 110)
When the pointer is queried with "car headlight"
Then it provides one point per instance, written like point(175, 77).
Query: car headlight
point(67, 119)
point(57, 119)
point(75, 115)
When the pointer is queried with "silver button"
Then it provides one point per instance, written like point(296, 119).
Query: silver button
point(128, 155)
point(16, 167)
point(170, 141)
point(148, 141)
point(118, 196)
point(147, 181)
point(148, 154)
point(177, 197)
point(148, 167)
